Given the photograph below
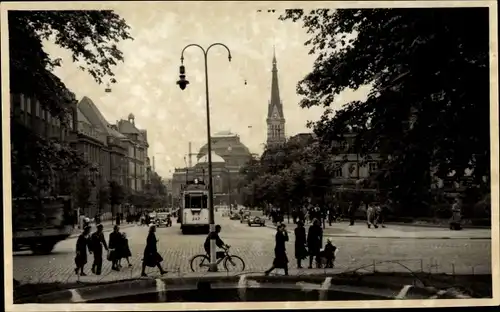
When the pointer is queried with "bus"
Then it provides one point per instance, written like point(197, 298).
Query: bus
point(39, 224)
point(194, 214)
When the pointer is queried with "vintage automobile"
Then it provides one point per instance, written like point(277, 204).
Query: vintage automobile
point(256, 220)
point(234, 216)
point(244, 218)
point(163, 219)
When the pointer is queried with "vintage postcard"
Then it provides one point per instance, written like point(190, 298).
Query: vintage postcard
point(187, 155)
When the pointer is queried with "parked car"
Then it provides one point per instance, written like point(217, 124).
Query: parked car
point(244, 218)
point(256, 220)
point(163, 219)
point(234, 216)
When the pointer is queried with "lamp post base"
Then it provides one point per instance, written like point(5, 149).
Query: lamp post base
point(212, 267)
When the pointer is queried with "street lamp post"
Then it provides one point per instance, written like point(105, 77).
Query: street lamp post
point(182, 84)
point(229, 198)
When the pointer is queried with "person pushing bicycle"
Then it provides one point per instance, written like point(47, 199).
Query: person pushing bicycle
point(218, 242)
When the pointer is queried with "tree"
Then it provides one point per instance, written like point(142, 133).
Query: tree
point(104, 197)
point(82, 193)
point(37, 162)
point(429, 104)
point(117, 195)
point(91, 36)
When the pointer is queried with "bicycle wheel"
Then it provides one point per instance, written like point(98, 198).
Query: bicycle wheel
point(231, 264)
point(199, 263)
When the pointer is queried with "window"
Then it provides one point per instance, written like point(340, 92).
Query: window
point(337, 173)
point(344, 146)
point(131, 168)
point(27, 102)
point(196, 201)
point(22, 104)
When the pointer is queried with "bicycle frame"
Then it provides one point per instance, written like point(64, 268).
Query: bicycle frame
point(226, 255)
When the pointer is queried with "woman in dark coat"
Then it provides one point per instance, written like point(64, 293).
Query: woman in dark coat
point(280, 258)
point(82, 244)
point(115, 243)
point(300, 243)
point(314, 241)
point(125, 250)
point(151, 256)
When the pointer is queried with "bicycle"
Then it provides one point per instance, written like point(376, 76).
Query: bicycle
point(227, 260)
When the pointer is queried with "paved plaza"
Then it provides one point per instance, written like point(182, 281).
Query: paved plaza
point(255, 245)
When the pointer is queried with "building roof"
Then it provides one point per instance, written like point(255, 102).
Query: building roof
point(222, 134)
point(126, 126)
point(215, 158)
point(81, 116)
point(95, 117)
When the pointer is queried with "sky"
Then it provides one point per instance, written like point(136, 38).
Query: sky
point(147, 78)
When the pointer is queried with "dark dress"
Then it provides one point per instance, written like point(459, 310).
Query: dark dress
point(116, 243)
point(82, 244)
point(125, 250)
point(151, 256)
point(314, 239)
point(300, 243)
point(280, 258)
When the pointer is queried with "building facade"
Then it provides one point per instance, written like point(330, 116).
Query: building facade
point(276, 134)
point(137, 154)
point(229, 155)
point(26, 111)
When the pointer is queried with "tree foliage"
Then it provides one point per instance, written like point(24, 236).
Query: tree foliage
point(287, 176)
point(36, 163)
point(117, 193)
point(83, 191)
point(429, 103)
point(91, 37)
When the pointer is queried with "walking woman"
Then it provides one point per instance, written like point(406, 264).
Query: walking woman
point(300, 243)
point(115, 241)
point(125, 250)
point(151, 256)
point(280, 258)
point(82, 244)
point(314, 241)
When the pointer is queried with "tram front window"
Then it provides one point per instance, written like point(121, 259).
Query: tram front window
point(196, 202)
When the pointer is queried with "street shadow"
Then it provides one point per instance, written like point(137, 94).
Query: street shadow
point(28, 253)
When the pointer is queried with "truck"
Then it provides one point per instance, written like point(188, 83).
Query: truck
point(38, 224)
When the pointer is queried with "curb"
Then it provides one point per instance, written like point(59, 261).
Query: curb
point(397, 237)
point(241, 283)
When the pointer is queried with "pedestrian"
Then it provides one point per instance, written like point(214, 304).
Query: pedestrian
point(151, 256)
point(97, 242)
point(125, 252)
point(314, 241)
point(300, 243)
point(353, 208)
point(371, 218)
point(456, 218)
point(280, 258)
point(115, 242)
point(82, 244)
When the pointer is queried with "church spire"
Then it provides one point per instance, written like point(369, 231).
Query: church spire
point(275, 118)
point(274, 56)
point(275, 104)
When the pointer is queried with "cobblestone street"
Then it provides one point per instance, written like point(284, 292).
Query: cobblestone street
point(255, 245)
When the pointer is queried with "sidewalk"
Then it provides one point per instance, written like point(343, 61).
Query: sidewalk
point(392, 231)
point(108, 227)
